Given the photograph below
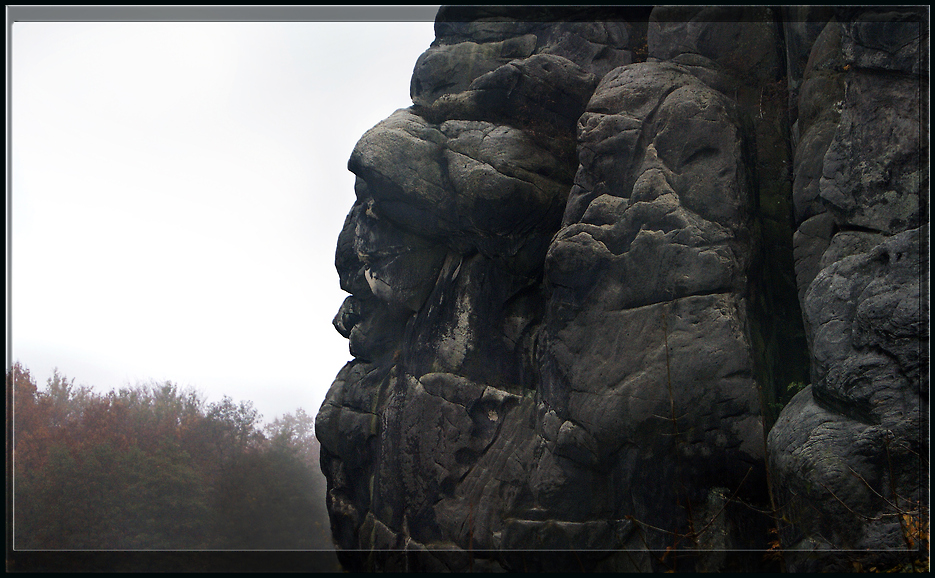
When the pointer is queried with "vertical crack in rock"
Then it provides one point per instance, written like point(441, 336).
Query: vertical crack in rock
point(595, 259)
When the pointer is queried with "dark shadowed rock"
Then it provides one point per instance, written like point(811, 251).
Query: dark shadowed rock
point(646, 330)
point(451, 68)
point(596, 257)
point(848, 453)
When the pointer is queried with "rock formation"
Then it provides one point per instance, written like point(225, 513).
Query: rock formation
point(849, 454)
point(588, 262)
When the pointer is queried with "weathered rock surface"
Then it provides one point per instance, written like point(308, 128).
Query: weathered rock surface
point(586, 264)
point(849, 454)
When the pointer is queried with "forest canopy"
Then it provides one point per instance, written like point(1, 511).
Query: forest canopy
point(156, 467)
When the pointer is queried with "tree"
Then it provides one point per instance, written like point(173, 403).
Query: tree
point(67, 402)
point(30, 420)
point(296, 431)
point(153, 467)
point(236, 424)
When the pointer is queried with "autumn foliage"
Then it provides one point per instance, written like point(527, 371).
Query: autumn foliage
point(153, 467)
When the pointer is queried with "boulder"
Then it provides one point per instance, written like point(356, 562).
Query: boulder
point(602, 253)
point(847, 454)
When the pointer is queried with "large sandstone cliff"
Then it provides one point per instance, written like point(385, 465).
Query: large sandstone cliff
point(594, 259)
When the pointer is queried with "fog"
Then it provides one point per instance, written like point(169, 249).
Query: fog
point(177, 193)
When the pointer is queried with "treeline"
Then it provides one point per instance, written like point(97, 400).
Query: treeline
point(153, 467)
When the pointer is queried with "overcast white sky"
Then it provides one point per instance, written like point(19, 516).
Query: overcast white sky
point(177, 193)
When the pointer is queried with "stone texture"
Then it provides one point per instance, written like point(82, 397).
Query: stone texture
point(738, 51)
point(652, 256)
point(450, 69)
point(588, 262)
point(847, 454)
point(871, 172)
point(801, 26)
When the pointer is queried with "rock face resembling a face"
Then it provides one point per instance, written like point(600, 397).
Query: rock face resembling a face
point(573, 297)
